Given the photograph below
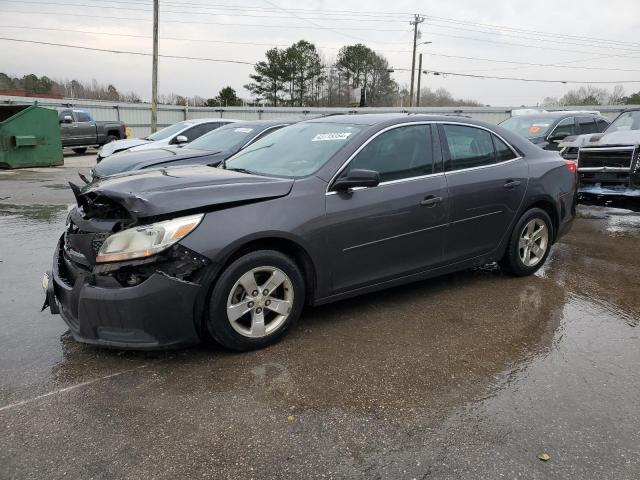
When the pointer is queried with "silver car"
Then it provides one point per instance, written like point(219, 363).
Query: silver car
point(176, 134)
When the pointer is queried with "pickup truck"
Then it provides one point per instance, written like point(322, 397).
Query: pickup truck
point(608, 163)
point(80, 131)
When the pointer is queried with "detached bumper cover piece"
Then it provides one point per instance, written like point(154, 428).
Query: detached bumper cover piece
point(157, 313)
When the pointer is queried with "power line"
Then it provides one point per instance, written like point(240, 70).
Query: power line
point(206, 23)
point(531, 64)
point(536, 38)
point(201, 40)
point(376, 20)
point(529, 31)
point(456, 74)
point(127, 52)
point(536, 47)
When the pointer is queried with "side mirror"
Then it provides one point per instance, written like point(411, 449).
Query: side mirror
point(181, 139)
point(557, 136)
point(67, 119)
point(357, 178)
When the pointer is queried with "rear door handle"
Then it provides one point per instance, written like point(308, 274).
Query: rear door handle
point(511, 184)
point(430, 201)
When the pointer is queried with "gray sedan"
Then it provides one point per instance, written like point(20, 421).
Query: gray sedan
point(316, 212)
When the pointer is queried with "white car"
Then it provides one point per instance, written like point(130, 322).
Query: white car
point(176, 134)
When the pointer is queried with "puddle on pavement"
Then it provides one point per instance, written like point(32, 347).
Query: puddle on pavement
point(43, 213)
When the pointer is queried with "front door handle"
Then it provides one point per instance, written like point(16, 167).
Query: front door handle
point(431, 201)
point(511, 184)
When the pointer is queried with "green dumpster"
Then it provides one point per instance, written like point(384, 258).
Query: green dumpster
point(29, 137)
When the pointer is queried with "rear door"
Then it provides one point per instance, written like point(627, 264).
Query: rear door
point(487, 180)
point(396, 228)
point(586, 125)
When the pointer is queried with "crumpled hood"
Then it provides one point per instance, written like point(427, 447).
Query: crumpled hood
point(121, 145)
point(170, 190)
point(158, 157)
point(629, 137)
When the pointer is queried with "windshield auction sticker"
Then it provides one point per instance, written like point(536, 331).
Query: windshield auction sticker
point(243, 130)
point(325, 137)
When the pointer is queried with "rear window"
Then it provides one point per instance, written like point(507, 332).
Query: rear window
point(528, 127)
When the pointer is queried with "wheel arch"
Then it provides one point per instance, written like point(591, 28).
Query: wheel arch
point(283, 244)
point(549, 206)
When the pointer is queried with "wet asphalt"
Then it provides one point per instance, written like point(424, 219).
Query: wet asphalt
point(471, 375)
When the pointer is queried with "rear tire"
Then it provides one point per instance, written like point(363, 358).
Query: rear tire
point(79, 150)
point(529, 244)
point(255, 300)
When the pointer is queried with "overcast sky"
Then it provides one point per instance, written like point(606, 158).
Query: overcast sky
point(456, 28)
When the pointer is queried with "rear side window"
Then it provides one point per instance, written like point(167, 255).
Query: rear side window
point(601, 125)
point(587, 125)
point(468, 147)
point(503, 152)
point(401, 152)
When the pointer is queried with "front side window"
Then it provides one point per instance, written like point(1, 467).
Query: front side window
point(199, 130)
point(168, 131)
point(82, 116)
point(402, 152)
point(295, 151)
point(565, 127)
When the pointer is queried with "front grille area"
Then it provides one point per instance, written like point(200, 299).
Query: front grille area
point(597, 158)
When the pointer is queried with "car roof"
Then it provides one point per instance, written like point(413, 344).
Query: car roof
point(262, 123)
point(371, 119)
point(197, 121)
point(557, 115)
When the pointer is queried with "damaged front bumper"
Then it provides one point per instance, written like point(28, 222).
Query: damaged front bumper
point(157, 312)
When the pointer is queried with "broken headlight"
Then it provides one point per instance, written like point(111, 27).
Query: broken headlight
point(147, 240)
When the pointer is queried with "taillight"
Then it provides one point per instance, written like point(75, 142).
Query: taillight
point(572, 166)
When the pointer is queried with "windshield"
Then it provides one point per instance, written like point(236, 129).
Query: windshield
point(224, 139)
point(168, 131)
point(625, 121)
point(528, 127)
point(294, 151)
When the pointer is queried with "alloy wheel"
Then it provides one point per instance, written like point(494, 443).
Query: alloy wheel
point(533, 242)
point(260, 302)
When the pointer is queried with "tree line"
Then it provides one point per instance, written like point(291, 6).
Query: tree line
point(68, 88)
point(590, 95)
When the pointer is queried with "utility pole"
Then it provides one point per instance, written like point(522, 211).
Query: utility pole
point(154, 71)
point(419, 78)
point(417, 20)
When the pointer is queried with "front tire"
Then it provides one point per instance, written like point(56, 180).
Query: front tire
point(79, 150)
point(529, 244)
point(255, 300)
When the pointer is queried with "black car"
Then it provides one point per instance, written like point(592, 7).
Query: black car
point(209, 149)
point(548, 128)
point(316, 212)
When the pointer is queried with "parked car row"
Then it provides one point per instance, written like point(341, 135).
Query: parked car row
point(607, 155)
point(279, 215)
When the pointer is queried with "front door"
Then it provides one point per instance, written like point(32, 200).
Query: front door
point(394, 229)
point(487, 181)
point(85, 128)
